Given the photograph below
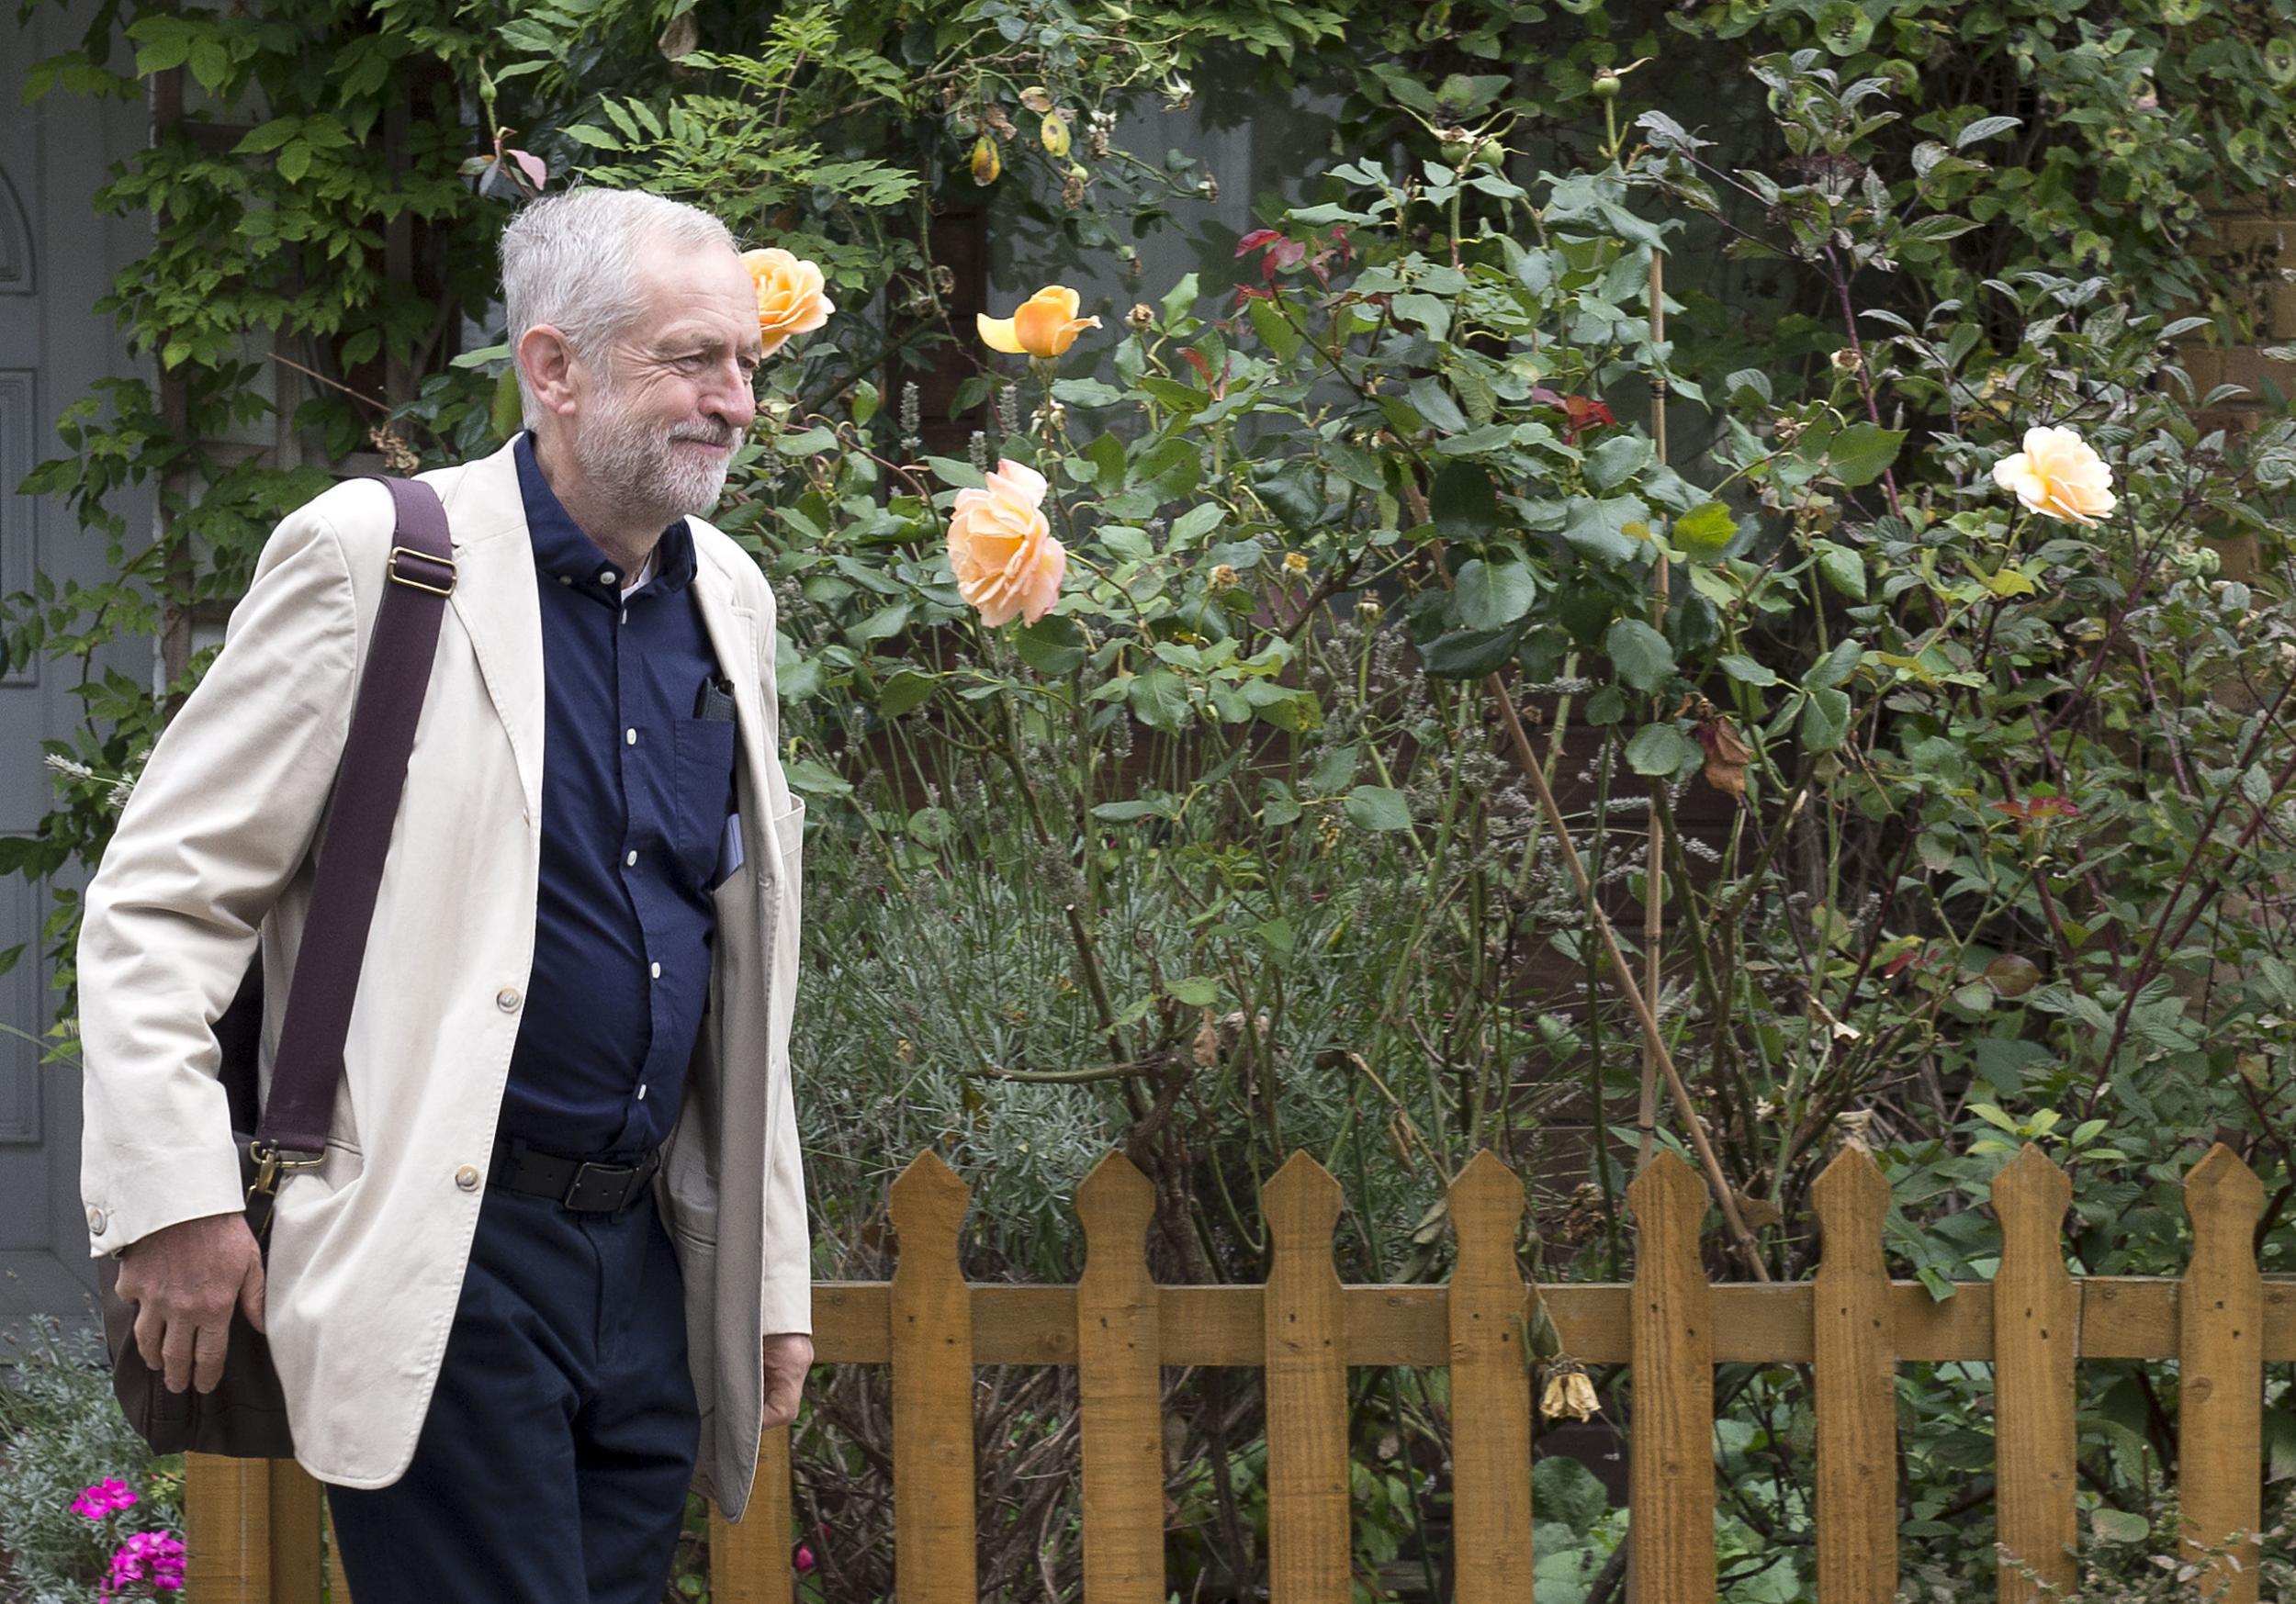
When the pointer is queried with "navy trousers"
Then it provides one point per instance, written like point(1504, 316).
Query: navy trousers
point(552, 1467)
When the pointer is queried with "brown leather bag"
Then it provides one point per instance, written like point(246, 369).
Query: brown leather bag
point(245, 1416)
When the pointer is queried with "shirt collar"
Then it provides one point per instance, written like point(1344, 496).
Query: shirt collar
point(571, 557)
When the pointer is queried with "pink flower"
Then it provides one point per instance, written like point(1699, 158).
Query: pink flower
point(94, 1503)
point(154, 1559)
point(803, 1559)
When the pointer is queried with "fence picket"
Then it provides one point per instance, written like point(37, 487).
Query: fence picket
point(933, 1555)
point(2035, 1339)
point(1856, 1343)
point(227, 1529)
point(1671, 1478)
point(1120, 1390)
point(1491, 1391)
point(1308, 1541)
point(2220, 1392)
point(750, 1559)
point(294, 1498)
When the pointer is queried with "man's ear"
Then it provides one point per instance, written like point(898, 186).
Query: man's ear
point(547, 361)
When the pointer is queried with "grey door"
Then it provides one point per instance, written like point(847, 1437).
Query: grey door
point(56, 257)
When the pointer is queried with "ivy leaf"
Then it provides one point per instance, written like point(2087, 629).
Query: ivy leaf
point(1492, 595)
point(1644, 658)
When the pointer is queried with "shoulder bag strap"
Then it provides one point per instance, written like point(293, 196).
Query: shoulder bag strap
point(374, 772)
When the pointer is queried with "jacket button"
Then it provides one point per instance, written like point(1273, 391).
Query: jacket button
point(95, 1219)
point(507, 999)
point(467, 1178)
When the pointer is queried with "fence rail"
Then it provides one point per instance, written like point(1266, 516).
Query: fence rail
point(254, 1529)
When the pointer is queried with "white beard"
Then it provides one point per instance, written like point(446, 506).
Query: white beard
point(637, 463)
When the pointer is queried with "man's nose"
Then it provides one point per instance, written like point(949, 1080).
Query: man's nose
point(736, 397)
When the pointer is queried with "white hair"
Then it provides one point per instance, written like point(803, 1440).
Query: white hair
point(570, 260)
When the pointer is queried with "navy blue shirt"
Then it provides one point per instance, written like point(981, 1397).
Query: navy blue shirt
point(635, 793)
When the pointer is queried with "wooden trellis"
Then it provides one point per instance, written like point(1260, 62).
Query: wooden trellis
point(254, 1529)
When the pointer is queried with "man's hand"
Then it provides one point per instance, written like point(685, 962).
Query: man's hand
point(787, 1358)
point(185, 1280)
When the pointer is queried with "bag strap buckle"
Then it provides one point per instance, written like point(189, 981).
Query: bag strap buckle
point(423, 577)
point(271, 1161)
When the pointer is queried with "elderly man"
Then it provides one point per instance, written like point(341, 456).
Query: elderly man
point(553, 1268)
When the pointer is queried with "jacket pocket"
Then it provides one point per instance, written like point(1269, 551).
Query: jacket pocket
point(702, 768)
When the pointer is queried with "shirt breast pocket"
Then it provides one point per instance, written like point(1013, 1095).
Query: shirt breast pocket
point(701, 772)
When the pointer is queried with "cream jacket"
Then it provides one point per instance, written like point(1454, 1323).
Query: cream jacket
point(213, 858)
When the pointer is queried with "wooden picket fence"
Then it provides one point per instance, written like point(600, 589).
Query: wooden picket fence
point(253, 1528)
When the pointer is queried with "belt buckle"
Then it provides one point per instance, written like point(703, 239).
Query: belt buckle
point(626, 1180)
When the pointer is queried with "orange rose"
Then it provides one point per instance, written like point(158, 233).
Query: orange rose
point(789, 295)
point(1045, 326)
point(2058, 474)
point(1005, 559)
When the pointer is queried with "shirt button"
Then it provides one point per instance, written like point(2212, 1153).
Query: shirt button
point(95, 1218)
point(507, 999)
point(631, 860)
point(629, 737)
point(657, 971)
point(467, 1178)
point(607, 577)
point(565, 578)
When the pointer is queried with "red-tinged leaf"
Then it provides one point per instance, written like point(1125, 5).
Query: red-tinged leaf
point(1255, 239)
point(537, 173)
point(1195, 359)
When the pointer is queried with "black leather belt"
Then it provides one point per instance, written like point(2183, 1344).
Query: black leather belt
point(579, 1183)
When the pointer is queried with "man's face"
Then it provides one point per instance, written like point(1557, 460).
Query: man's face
point(660, 424)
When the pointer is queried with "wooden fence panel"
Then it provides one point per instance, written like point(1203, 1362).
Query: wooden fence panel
point(2035, 1339)
point(934, 1560)
point(1670, 1528)
point(1856, 1340)
point(1491, 1389)
point(296, 1564)
point(750, 1561)
point(1119, 1389)
point(227, 1529)
point(1309, 1542)
point(2220, 1374)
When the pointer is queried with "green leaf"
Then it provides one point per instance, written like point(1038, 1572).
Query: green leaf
point(1179, 297)
point(1195, 523)
point(2115, 1525)
point(1275, 333)
point(879, 626)
point(1659, 751)
point(1834, 667)
point(1843, 568)
point(295, 160)
point(1196, 990)
point(1491, 596)
point(1643, 657)
point(1278, 935)
point(1053, 645)
point(1463, 503)
point(1863, 452)
point(1159, 699)
point(905, 690)
point(1706, 530)
point(1599, 528)
point(1379, 808)
point(1470, 653)
point(959, 476)
point(1746, 671)
point(506, 415)
point(814, 779)
point(1825, 720)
